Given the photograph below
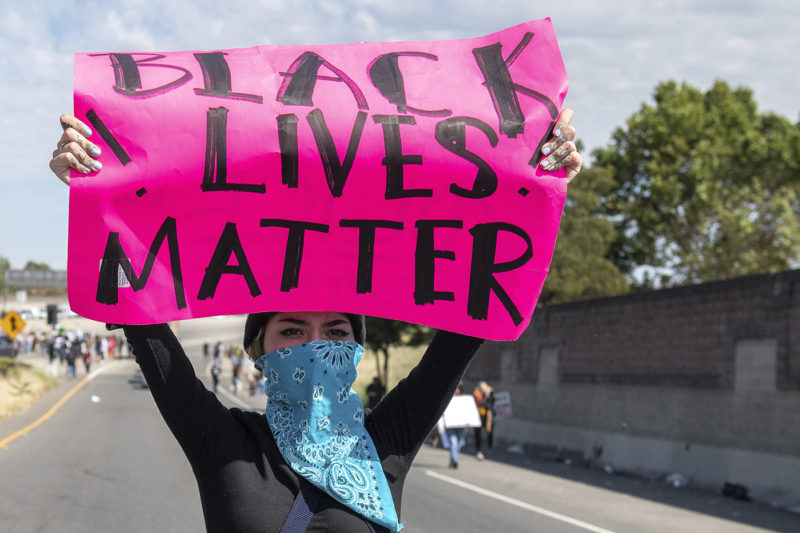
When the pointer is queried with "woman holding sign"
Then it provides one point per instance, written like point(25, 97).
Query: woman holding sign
point(316, 459)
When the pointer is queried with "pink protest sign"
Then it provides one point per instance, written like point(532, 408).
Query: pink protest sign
point(390, 179)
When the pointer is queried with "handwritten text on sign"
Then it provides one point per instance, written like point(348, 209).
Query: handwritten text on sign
point(392, 179)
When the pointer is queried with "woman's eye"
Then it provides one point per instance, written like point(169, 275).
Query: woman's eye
point(291, 332)
point(338, 333)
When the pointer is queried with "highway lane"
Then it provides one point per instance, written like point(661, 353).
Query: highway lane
point(112, 465)
point(107, 465)
point(493, 496)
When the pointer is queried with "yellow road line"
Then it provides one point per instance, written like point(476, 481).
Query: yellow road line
point(24, 431)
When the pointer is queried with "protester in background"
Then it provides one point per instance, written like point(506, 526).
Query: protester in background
point(236, 363)
point(60, 345)
point(250, 376)
point(104, 347)
point(29, 344)
point(41, 341)
point(484, 399)
point(455, 436)
point(216, 370)
point(261, 383)
point(86, 354)
point(253, 469)
point(375, 392)
point(72, 350)
point(53, 355)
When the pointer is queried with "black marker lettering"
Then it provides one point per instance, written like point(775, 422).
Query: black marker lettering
point(386, 76)
point(294, 247)
point(395, 159)
point(451, 134)
point(481, 280)
point(215, 175)
point(502, 89)
point(128, 81)
point(424, 261)
point(335, 172)
point(105, 134)
point(217, 78)
point(229, 243)
point(287, 139)
point(537, 155)
point(366, 248)
point(299, 82)
point(115, 258)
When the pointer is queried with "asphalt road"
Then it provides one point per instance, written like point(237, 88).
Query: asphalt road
point(105, 461)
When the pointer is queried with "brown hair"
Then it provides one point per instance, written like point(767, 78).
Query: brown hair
point(256, 348)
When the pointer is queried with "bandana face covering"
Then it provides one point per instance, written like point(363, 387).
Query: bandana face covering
point(317, 421)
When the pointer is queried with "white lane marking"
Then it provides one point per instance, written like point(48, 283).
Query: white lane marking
point(222, 389)
point(518, 503)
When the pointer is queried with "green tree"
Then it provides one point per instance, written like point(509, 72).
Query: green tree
point(33, 265)
point(704, 186)
point(581, 268)
point(4, 265)
point(383, 334)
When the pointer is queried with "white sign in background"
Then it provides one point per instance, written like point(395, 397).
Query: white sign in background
point(502, 405)
point(462, 413)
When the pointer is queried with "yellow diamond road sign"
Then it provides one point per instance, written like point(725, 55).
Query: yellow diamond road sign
point(12, 323)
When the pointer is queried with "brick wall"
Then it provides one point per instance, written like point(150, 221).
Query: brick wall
point(716, 364)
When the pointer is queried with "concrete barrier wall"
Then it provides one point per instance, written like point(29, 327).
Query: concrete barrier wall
point(702, 380)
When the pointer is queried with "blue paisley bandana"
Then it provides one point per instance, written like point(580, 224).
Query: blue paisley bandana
point(317, 421)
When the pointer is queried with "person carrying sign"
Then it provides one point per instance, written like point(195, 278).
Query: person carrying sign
point(317, 459)
point(460, 414)
point(240, 458)
point(375, 392)
point(484, 399)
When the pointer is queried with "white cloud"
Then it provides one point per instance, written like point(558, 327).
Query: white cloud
point(615, 53)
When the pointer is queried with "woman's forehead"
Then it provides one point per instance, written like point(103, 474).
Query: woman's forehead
point(309, 317)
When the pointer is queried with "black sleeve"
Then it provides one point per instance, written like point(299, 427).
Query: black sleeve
point(193, 413)
point(400, 423)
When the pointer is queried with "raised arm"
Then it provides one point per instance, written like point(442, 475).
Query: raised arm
point(193, 413)
point(405, 416)
point(403, 419)
point(188, 408)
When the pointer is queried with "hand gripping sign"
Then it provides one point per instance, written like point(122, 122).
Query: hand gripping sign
point(390, 179)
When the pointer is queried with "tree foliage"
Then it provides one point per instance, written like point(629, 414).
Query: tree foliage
point(33, 265)
point(704, 185)
point(383, 334)
point(581, 268)
point(4, 265)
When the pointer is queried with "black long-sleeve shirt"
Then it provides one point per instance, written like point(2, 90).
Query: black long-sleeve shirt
point(245, 485)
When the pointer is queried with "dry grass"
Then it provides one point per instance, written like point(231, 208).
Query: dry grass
point(401, 360)
point(20, 386)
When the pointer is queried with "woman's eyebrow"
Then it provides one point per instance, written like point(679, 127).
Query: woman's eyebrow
point(296, 321)
point(334, 323)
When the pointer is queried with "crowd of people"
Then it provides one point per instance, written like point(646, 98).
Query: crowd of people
point(69, 350)
point(66, 350)
point(245, 376)
point(243, 373)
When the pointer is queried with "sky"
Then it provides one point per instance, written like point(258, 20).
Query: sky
point(615, 54)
